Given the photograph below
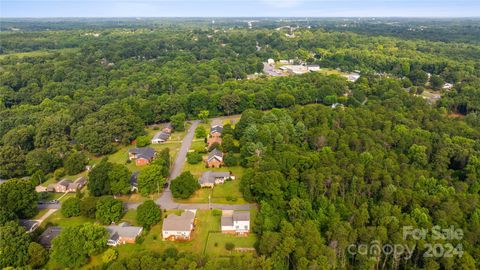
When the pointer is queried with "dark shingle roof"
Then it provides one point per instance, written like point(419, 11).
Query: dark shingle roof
point(145, 152)
point(216, 128)
point(161, 135)
point(209, 177)
point(215, 152)
point(48, 235)
point(134, 179)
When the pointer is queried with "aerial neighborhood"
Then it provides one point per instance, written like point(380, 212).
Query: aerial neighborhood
point(216, 143)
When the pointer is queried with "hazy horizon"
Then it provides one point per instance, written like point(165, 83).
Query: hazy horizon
point(239, 9)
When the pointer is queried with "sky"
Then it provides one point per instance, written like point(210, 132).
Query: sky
point(238, 8)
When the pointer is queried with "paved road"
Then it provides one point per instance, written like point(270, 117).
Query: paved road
point(166, 200)
point(177, 166)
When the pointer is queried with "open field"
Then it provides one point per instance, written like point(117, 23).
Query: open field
point(37, 53)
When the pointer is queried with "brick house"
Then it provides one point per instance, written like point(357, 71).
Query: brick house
point(215, 159)
point(215, 135)
point(142, 156)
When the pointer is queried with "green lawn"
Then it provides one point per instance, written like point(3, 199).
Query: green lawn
point(121, 156)
point(205, 222)
point(216, 243)
point(220, 192)
point(58, 219)
point(40, 214)
point(37, 53)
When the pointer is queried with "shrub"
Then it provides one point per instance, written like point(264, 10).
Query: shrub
point(148, 214)
point(194, 158)
point(59, 173)
point(200, 132)
point(217, 212)
point(229, 246)
point(75, 163)
point(230, 160)
point(88, 207)
point(109, 210)
point(109, 255)
point(142, 141)
point(184, 185)
point(71, 207)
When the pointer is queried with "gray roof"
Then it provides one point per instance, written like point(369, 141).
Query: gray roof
point(215, 152)
point(124, 230)
point(179, 223)
point(216, 128)
point(134, 179)
point(47, 236)
point(241, 216)
point(209, 177)
point(28, 224)
point(64, 182)
point(144, 152)
point(82, 180)
point(161, 136)
point(227, 221)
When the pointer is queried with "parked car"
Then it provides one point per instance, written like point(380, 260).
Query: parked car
point(165, 185)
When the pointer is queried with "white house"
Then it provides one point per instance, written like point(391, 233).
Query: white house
point(210, 178)
point(179, 227)
point(447, 86)
point(160, 137)
point(313, 68)
point(235, 222)
point(270, 61)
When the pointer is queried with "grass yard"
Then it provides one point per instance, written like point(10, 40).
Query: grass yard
point(216, 243)
point(219, 193)
point(205, 222)
point(38, 53)
point(57, 219)
point(137, 197)
point(40, 214)
point(121, 156)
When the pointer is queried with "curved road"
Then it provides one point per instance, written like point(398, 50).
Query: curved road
point(166, 200)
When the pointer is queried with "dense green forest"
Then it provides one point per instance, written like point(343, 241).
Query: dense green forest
point(324, 178)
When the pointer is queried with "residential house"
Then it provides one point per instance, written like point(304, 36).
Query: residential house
point(215, 135)
point(29, 225)
point(48, 235)
point(134, 182)
point(40, 188)
point(142, 156)
point(447, 86)
point(179, 227)
point(270, 61)
point(60, 187)
point(210, 179)
point(235, 222)
point(215, 159)
point(77, 184)
point(352, 77)
point(168, 128)
point(160, 137)
point(122, 234)
point(313, 68)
